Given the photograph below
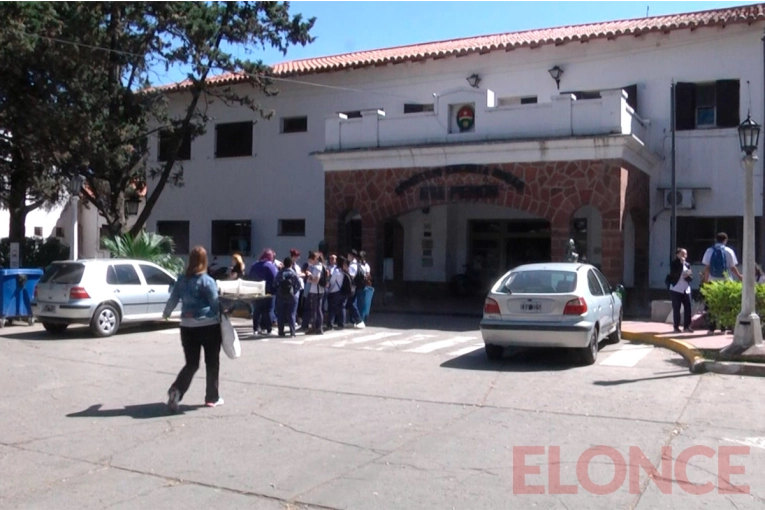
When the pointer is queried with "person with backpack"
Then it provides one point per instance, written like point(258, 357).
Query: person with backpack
point(264, 270)
point(719, 262)
point(680, 290)
point(338, 292)
point(287, 284)
point(357, 285)
point(317, 277)
point(364, 290)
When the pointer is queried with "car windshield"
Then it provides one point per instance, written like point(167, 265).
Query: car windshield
point(540, 281)
point(63, 273)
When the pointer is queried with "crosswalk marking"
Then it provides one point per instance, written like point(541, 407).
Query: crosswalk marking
point(394, 344)
point(466, 350)
point(364, 339)
point(440, 344)
point(628, 355)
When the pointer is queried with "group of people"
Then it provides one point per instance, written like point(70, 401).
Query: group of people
point(719, 264)
point(301, 294)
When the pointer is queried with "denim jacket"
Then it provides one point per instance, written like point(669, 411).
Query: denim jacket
point(199, 297)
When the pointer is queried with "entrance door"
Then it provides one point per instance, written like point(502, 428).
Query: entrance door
point(497, 246)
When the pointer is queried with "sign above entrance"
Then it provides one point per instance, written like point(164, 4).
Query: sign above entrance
point(445, 171)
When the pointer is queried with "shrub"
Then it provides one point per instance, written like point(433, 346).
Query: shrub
point(724, 300)
point(145, 246)
point(35, 252)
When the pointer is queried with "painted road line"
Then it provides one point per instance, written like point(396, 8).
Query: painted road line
point(364, 339)
point(395, 344)
point(628, 356)
point(441, 344)
point(466, 350)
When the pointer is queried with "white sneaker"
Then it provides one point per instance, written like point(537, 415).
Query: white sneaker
point(173, 398)
point(215, 404)
point(360, 325)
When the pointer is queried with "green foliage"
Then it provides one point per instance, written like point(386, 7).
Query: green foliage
point(724, 300)
point(35, 252)
point(145, 246)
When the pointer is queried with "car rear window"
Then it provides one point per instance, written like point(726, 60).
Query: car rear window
point(540, 281)
point(63, 273)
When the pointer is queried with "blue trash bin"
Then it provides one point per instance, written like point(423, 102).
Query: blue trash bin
point(17, 290)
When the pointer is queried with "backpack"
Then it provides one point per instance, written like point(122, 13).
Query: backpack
point(360, 280)
point(285, 287)
point(717, 263)
point(324, 278)
point(345, 288)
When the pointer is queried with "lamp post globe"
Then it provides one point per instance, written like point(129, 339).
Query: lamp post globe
point(749, 136)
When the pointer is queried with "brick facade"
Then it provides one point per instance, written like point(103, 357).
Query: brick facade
point(553, 191)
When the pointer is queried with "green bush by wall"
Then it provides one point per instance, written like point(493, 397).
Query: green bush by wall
point(35, 252)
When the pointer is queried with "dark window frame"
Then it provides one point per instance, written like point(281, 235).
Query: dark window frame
point(155, 271)
point(727, 105)
point(225, 231)
point(165, 139)
point(697, 233)
point(353, 114)
point(118, 275)
point(598, 291)
point(233, 139)
point(167, 228)
point(419, 108)
point(294, 124)
point(290, 232)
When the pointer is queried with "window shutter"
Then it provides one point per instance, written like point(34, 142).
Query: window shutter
point(685, 106)
point(631, 91)
point(727, 103)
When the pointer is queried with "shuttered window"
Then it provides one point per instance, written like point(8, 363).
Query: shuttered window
point(704, 105)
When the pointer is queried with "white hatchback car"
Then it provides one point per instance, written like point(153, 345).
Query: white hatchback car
point(564, 304)
point(102, 293)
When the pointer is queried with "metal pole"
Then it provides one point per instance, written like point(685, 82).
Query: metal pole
point(762, 216)
point(75, 207)
point(673, 192)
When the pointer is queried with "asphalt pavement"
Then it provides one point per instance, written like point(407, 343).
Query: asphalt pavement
point(407, 413)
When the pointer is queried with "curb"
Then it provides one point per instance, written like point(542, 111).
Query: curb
point(697, 364)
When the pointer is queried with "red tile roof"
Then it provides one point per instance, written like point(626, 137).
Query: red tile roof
point(507, 41)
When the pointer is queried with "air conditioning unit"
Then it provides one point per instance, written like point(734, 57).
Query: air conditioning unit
point(682, 198)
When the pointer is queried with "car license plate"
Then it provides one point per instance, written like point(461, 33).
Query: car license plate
point(49, 308)
point(531, 307)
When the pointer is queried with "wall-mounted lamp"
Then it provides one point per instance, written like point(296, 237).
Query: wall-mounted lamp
point(473, 80)
point(556, 73)
point(131, 205)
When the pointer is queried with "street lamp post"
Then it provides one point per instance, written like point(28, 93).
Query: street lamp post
point(75, 185)
point(748, 332)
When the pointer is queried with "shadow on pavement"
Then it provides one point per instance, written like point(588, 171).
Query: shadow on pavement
point(138, 412)
point(628, 381)
point(82, 332)
point(518, 360)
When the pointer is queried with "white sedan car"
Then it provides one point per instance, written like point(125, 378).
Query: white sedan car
point(102, 293)
point(570, 305)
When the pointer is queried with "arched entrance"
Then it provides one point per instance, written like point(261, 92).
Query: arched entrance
point(349, 231)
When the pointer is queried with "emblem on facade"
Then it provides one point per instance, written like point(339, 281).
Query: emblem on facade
point(465, 117)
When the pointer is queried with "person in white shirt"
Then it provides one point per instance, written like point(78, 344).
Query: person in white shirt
point(315, 293)
point(680, 290)
point(336, 296)
point(354, 317)
point(712, 269)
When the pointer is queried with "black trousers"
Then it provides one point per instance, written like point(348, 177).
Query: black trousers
point(193, 340)
point(681, 299)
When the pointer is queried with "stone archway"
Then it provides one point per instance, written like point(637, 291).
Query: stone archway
point(551, 191)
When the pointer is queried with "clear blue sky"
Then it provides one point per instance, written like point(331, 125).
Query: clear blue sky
point(343, 27)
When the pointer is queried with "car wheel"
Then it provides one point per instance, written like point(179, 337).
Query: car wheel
point(494, 352)
point(55, 328)
point(590, 353)
point(105, 321)
point(616, 336)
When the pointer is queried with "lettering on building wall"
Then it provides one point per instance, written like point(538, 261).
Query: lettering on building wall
point(433, 173)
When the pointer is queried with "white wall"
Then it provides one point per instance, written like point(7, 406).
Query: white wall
point(285, 180)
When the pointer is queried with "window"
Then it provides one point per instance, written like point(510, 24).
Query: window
point(603, 281)
point(510, 101)
point(38, 231)
point(294, 124)
point(232, 140)
point(696, 234)
point(707, 105)
point(66, 273)
point(540, 282)
point(356, 114)
point(166, 140)
point(59, 231)
point(292, 228)
point(594, 284)
point(631, 90)
point(178, 231)
point(122, 274)
point(231, 236)
point(155, 276)
point(418, 108)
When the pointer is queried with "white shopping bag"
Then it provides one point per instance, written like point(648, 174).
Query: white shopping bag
point(230, 337)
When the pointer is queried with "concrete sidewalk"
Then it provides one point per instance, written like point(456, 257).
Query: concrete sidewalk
point(690, 346)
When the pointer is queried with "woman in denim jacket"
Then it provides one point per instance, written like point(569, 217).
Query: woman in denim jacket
point(200, 328)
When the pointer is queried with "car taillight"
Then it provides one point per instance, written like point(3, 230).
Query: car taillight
point(576, 306)
point(491, 307)
point(78, 293)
